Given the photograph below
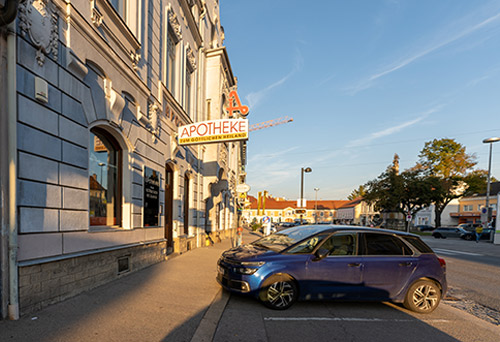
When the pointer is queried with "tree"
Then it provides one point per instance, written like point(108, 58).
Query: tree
point(359, 192)
point(447, 165)
point(406, 192)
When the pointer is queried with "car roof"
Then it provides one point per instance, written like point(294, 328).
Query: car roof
point(334, 228)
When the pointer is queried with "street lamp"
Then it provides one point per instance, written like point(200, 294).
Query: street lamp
point(302, 170)
point(316, 206)
point(485, 224)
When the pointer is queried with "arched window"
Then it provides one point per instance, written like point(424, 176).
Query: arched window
point(105, 161)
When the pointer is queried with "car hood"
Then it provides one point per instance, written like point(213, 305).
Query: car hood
point(247, 253)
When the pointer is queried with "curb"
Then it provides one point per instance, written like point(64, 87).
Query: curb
point(208, 325)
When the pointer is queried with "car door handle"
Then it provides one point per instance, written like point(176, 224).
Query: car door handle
point(405, 264)
point(354, 264)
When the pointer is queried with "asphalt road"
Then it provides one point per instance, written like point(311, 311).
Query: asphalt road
point(473, 269)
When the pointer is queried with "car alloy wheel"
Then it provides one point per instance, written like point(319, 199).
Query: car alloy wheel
point(280, 293)
point(423, 296)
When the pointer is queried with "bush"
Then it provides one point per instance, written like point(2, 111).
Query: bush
point(256, 226)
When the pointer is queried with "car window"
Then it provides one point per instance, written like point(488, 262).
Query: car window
point(341, 244)
point(382, 244)
point(308, 245)
point(418, 244)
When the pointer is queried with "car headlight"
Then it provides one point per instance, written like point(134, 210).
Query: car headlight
point(254, 266)
point(244, 270)
point(252, 263)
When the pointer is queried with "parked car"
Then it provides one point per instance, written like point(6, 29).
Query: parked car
point(424, 227)
point(444, 232)
point(319, 262)
point(472, 236)
point(471, 227)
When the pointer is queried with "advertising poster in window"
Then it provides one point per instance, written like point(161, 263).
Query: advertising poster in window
point(151, 197)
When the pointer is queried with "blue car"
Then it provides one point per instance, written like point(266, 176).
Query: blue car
point(319, 262)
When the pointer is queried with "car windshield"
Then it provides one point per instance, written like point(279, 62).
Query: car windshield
point(285, 238)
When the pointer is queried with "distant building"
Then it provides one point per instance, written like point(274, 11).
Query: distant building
point(279, 210)
point(427, 215)
point(469, 208)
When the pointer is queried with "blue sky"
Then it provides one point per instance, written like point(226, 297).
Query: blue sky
point(363, 80)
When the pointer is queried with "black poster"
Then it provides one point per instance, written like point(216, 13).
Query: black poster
point(151, 197)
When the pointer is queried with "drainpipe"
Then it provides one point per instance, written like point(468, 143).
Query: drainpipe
point(13, 307)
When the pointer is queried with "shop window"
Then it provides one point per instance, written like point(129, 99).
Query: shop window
point(104, 179)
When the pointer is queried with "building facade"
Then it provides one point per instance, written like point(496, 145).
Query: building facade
point(99, 185)
point(469, 208)
point(427, 215)
point(281, 210)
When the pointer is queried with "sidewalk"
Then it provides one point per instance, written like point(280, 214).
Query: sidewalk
point(171, 301)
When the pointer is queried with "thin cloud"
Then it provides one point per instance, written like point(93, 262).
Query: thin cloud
point(254, 98)
point(392, 130)
point(368, 82)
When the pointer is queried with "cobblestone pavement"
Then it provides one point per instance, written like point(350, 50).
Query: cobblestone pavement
point(456, 298)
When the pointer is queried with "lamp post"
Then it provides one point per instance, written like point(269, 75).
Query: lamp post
point(485, 224)
point(302, 170)
point(316, 206)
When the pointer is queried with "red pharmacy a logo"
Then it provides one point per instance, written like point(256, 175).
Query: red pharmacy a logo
point(235, 105)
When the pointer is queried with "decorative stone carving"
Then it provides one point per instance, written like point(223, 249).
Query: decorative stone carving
point(95, 15)
point(38, 18)
point(135, 58)
point(174, 22)
point(191, 58)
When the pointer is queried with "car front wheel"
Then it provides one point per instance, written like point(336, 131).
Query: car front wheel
point(423, 296)
point(437, 236)
point(279, 292)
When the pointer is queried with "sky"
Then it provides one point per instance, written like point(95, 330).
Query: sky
point(362, 80)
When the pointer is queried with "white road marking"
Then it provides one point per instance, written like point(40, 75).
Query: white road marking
point(452, 252)
point(352, 319)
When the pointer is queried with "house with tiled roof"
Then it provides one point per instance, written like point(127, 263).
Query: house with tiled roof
point(280, 210)
point(357, 211)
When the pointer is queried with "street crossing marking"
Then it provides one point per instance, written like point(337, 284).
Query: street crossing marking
point(452, 252)
point(352, 319)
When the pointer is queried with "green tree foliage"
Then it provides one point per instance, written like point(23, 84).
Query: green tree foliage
point(359, 192)
point(406, 192)
point(448, 167)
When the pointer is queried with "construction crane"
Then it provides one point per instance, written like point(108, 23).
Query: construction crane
point(270, 123)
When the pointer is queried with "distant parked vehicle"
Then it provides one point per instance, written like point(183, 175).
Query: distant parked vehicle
point(471, 227)
point(469, 236)
point(444, 232)
point(424, 227)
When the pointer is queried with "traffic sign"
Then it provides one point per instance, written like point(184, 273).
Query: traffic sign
point(266, 219)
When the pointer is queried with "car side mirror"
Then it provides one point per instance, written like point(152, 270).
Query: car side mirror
point(321, 254)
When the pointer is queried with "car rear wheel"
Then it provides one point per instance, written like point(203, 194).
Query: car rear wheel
point(437, 236)
point(423, 296)
point(279, 292)
point(468, 237)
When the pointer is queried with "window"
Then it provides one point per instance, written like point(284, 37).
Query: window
point(381, 244)
point(170, 62)
point(341, 244)
point(308, 245)
point(120, 6)
point(189, 89)
point(468, 207)
point(104, 180)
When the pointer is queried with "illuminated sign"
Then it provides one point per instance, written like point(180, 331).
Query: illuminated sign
point(235, 105)
point(213, 131)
